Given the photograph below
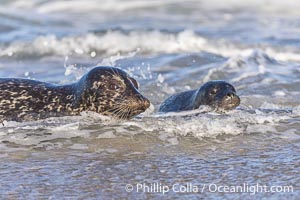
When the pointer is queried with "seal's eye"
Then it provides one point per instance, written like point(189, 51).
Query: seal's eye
point(114, 86)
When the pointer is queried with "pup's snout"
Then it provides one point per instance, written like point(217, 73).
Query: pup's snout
point(231, 100)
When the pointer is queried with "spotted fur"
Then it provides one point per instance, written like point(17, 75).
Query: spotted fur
point(105, 90)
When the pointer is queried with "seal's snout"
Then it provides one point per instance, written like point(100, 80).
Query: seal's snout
point(230, 100)
point(144, 103)
point(137, 105)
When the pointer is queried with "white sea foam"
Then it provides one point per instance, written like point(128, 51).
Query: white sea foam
point(153, 42)
point(165, 127)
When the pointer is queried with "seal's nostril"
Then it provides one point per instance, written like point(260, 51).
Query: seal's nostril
point(230, 95)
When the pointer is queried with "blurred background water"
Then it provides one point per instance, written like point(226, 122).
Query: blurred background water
point(168, 46)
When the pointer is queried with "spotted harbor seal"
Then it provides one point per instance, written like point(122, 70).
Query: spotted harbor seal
point(105, 90)
point(219, 95)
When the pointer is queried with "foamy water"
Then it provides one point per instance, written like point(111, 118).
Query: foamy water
point(168, 46)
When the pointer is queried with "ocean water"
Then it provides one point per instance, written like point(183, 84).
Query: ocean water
point(168, 46)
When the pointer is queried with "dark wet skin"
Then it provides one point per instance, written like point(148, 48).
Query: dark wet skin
point(219, 95)
point(105, 90)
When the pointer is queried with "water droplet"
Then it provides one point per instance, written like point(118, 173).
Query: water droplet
point(160, 78)
point(93, 54)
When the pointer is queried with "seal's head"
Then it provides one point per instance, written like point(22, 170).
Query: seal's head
point(220, 95)
point(110, 91)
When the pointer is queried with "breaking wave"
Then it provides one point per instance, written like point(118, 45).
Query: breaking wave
point(145, 42)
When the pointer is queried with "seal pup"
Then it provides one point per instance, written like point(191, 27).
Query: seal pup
point(105, 90)
point(219, 95)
